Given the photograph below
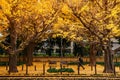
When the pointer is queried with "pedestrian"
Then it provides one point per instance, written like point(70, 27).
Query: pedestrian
point(81, 63)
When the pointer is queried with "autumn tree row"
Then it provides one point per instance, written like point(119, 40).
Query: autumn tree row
point(26, 23)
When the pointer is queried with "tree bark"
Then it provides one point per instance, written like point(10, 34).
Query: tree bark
point(29, 53)
point(108, 59)
point(12, 49)
point(61, 48)
point(92, 55)
point(13, 63)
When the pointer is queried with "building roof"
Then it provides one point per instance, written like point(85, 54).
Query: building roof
point(115, 44)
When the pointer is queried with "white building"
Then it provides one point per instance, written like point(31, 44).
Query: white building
point(115, 45)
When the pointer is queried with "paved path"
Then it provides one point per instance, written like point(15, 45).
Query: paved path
point(58, 78)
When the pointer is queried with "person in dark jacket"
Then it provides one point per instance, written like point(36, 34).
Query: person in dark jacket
point(80, 63)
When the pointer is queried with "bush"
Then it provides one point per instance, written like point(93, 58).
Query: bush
point(54, 70)
point(70, 70)
point(117, 64)
point(100, 63)
point(69, 55)
point(41, 55)
point(3, 63)
point(62, 70)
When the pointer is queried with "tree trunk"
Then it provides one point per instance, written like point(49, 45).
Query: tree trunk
point(13, 63)
point(12, 49)
point(92, 55)
point(61, 48)
point(29, 53)
point(108, 59)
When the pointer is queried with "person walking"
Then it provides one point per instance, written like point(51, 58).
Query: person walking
point(80, 63)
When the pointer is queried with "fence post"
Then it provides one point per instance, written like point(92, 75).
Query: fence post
point(26, 69)
point(114, 71)
point(78, 69)
point(43, 68)
point(95, 69)
point(22, 67)
point(61, 68)
point(35, 67)
point(91, 67)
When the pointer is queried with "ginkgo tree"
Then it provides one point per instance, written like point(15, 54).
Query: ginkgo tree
point(27, 22)
point(101, 19)
point(69, 27)
point(12, 11)
point(41, 24)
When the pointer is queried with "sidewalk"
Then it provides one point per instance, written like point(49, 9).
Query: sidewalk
point(39, 71)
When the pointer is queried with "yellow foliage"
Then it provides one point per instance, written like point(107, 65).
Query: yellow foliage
point(66, 9)
point(33, 16)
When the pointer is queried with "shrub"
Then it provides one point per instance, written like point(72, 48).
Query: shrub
point(62, 70)
point(117, 64)
point(54, 70)
point(70, 70)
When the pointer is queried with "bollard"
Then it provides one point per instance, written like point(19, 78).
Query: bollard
point(35, 67)
point(22, 67)
point(78, 69)
point(61, 68)
point(91, 68)
point(114, 71)
point(43, 68)
point(95, 69)
point(9, 72)
point(26, 69)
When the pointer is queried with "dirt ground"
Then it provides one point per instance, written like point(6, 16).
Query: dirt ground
point(39, 70)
